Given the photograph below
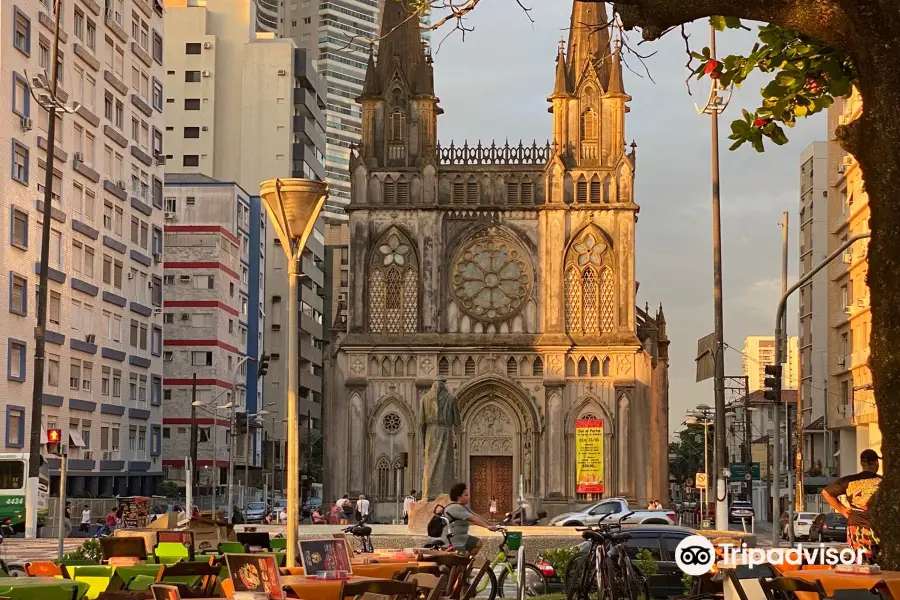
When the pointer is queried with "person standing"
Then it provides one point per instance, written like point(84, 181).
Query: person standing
point(85, 520)
point(362, 508)
point(407, 503)
point(492, 508)
point(111, 521)
point(858, 489)
point(461, 516)
point(346, 509)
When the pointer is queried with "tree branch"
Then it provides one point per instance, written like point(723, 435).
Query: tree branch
point(825, 20)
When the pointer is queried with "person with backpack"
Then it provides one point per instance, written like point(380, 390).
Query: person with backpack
point(459, 517)
point(346, 509)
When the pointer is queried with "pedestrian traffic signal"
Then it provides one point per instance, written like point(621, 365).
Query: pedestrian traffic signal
point(54, 441)
point(263, 366)
point(773, 383)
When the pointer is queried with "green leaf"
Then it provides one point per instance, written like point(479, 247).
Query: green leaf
point(736, 145)
point(717, 22)
point(757, 144)
point(732, 23)
point(800, 110)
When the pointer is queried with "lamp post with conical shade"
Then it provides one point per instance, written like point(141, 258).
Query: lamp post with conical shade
point(293, 206)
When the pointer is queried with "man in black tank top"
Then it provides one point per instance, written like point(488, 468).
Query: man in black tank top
point(858, 490)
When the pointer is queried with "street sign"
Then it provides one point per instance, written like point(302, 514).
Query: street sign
point(706, 357)
point(701, 481)
point(748, 477)
point(739, 471)
point(689, 482)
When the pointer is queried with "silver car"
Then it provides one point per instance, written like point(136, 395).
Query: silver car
point(256, 512)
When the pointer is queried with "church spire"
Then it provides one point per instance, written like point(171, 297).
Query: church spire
point(401, 49)
point(589, 41)
point(561, 87)
point(370, 85)
point(616, 84)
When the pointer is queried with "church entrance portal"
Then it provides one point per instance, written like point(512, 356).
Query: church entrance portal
point(491, 475)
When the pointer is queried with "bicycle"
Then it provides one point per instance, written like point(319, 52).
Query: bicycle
point(508, 581)
point(605, 570)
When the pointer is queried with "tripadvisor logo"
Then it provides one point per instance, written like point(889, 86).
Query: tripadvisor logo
point(695, 555)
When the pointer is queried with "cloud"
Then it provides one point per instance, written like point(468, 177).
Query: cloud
point(494, 86)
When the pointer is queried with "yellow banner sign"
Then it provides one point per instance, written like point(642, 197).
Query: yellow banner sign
point(589, 456)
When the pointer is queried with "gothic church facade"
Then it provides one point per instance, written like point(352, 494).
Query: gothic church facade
point(510, 272)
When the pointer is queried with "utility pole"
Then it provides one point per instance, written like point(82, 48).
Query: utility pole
point(193, 482)
point(785, 220)
point(40, 333)
point(720, 464)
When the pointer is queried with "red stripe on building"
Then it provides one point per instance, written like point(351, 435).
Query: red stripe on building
point(203, 229)
point(220, 344)
point(199, 421)
point(173, 382)
point(174, 462)
point(201, 304)
point(169, 264)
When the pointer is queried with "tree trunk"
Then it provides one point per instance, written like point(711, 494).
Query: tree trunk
point(877, 147)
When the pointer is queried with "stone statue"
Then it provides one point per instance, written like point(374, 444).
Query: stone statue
point(438, 420)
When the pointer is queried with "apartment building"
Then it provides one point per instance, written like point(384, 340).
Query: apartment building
point(103, 384)
point(221, 126)
point(813, 308)
point(759, 351)
point(851, 399)
point(214, 277)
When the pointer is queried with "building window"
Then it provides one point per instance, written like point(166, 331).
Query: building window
point(589, 126)
point(192, 76)
point(590, 285)
point(191, 132)
point(157, 95)
point(21, 97)
point(53, 371)
point(15, 427)
point(191, 160)
point(192, 48)
point(15, 360)
point(20, 162)
point(22, 33)
point(157, 47)
point(393, 285)
point(191, 104)
point(201, 359)
point(18, 232)
point(18, 294)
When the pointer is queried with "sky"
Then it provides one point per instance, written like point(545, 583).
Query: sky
point(493, 85)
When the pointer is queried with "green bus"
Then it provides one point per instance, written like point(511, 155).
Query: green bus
point(13, 478)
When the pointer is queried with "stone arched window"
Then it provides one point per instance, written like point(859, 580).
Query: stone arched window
point(383, 479)
point(590, 284)
point(393, 285)
point(590, 126)
point(397, 127)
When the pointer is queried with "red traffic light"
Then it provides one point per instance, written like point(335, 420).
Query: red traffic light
point(54, 436)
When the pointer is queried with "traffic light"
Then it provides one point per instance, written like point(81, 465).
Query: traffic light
point(54, 441)
point(263, 366)
point(240, 422)
point(773, 383)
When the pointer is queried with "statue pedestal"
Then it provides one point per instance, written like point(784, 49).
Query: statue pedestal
point(421, 512)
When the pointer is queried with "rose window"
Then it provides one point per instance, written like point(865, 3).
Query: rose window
point(391, 423)
point(589, 250)
point(394, 251)
point(492, 277)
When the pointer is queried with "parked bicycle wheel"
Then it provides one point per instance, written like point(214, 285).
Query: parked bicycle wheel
point(535, 585)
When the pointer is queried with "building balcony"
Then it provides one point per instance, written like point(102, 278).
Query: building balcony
point(310, 381)
point(311, 326)
point(306, 128)
point(310, 353)
point(860, 358)
point(301, 155)
point(309, 269)
point(306, 103)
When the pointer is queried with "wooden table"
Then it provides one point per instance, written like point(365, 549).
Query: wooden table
point(381, 570)
point(848, 581)
point(310, 588)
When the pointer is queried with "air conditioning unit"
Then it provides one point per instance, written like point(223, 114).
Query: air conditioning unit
point(863, 302)
point(276, 327)
point(90, 338)
point(157, 257)
point(205, 73)
point(841, 168)
point(185, 278)
point(841, 361)
point(848, 309)
point(282, 72)
point(87, 455)
point(107, 455)
point(847, 160)
point(204, 128)
point(78, 157)
point(160, 159)
point(169, 215)
point(150, 285)
point(121, 184)
point(157, 311)
point(207, 45)
point(185, 316)
point(130, 274)
point(26, 123)
point(848, 257)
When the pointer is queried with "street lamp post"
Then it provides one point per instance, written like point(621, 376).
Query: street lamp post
point(48, 100)
point(293, 206)
point(234, 375)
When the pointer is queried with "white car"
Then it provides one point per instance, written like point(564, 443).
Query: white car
point(802, 521)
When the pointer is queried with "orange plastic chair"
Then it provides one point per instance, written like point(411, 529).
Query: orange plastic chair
point(227, 588)
point(43, 568)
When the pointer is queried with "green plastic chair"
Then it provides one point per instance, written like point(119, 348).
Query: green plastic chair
point(278, 544)
point(140, 583)
point(44, 592)
point(171, 552)
point(232, 548)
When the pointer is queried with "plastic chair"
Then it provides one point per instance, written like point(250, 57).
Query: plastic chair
point(232, 548)
point(171, 552)
point(786, 588)
point(278, 543)
point(397, 590)
point(42, 568)
point(96, 576)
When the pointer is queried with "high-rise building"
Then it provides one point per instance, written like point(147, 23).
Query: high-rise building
point(759, 351)
point(852, 411)
point(226, 129)
point(103, 384)
point(214, 279)
point(813, 310)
